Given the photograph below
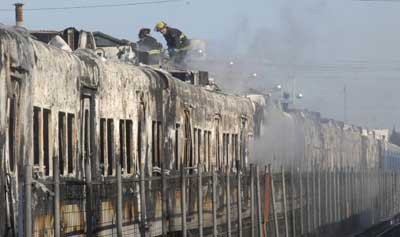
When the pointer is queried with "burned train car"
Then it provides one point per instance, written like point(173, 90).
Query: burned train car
point(72, 122)
point(72, 118)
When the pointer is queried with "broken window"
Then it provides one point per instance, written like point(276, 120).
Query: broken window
point(129, 140)
point(199, 146)
point(66, 141)
point(177, 161)
point(207, 150)
point(195, 146)
point(46, 139)
point(122, 148)
point(36, 141)
point(103, 142)
point(159, 143)
point(225, 148)
point(71, 136)
point(106, 146)
point(153, 143)
point(156, 136)
point(110, 146)
point(62, 137)
point(188, 156)
point(217, 144)
point(125, 136)
point(235, 150)
point(139, 144)
point(242, 154)
point(41, 139)
point(11, 133)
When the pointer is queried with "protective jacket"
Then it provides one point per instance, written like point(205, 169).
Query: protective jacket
point(176, 39)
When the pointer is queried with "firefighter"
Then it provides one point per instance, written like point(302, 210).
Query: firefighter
point(149, 49)
point(178, 44)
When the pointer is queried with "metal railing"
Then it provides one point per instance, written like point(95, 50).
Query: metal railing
point(256, 201)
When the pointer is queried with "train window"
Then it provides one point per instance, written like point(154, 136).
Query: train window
point(153, 143)
point(205, 148)
point(129, 140)
point(71, 136)
point(177, 127)
point(159, 143)
point(122, 148)
point(11, 133)
point(235, 150)
point(46, 139)
point(199, 154)
point(195, 146)
point(242, 156)
point(66, 141)
point(139, 144)
point(225, 149)
point(110, 146)
point(36, 140)
point(188, 156)
point(217, 143)
point(107, 146)
point(103, 143)
point(41, 139)
point(156, 144)
point(208, 150)
point(125, 136)
point(62, 149)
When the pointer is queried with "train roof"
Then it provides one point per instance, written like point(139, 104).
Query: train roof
point(26, 51)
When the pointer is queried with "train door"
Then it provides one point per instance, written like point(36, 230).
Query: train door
point(87, 135)
point(87, 124)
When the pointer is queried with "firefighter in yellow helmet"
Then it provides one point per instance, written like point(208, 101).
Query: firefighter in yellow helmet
point(178, 44)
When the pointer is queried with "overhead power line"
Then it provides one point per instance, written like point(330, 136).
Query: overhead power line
point(377, 0)
point(96, 6)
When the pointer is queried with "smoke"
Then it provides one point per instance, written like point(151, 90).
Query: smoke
point(316, 48)
point(281, 141)
point(259, 56)
point(270, 46)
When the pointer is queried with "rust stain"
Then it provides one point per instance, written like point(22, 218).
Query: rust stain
point(157, 204)
point(130, 210)
point(207, 201)
point(72, 220)
point(43, 226)
point(107, 215)
point(178, 201)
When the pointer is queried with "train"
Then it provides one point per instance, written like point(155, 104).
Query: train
point(74, 116)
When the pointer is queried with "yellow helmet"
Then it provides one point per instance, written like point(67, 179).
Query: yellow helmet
point(160, 25)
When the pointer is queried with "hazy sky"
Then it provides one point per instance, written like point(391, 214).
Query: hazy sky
point(322, 44)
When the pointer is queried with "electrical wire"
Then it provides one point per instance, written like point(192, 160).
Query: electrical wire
point(377, 0)
point(97, 6)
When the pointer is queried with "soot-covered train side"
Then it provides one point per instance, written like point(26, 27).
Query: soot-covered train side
point(70, 117)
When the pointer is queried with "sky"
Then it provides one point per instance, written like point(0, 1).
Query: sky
point(320, 45)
